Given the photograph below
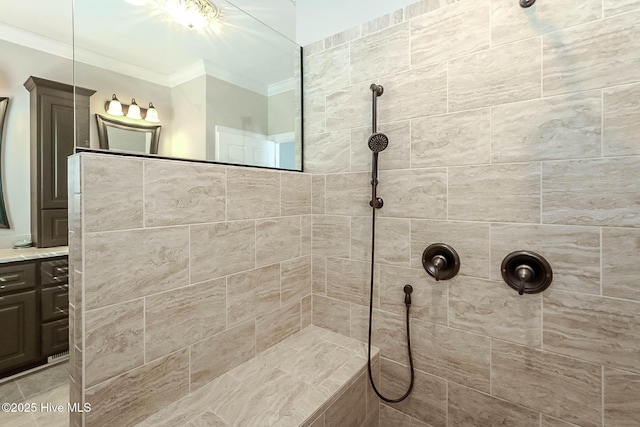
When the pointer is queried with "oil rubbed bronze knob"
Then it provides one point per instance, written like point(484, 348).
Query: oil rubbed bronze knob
point(527, 272)
point(441, 261)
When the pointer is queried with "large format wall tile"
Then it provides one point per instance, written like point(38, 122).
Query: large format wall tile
point(328, 70)
point(428, 400)
point(395, 156)
point(172, 188)
point(327, 153)
point(123, 265)
point(388, 332)
point(510, 22)
point(470, 241)
point(348, 280)
point(277, 239)
point(621, 121)
point(318, 194)
point(468, 407)
point(295, 276)
point(417, 193)
point(595, 55)
point(393, 417)
point(112, 193)
point(352, 103)
point(452, 354)
point(114, 341)
point(330, 235)
point(319, 274)
point(416, 93)
point(132, 397)
point(220, 353)
point(612, 7)
point(381, 22)
point(451, 139)
point(563, 127)
point(221, 248)
point(573, 252)
point(504, 74)
point(621, 263)
point(548, 421)
point(176, 319)
point(314, 114)
point(507, 193)
point(252, 193)
point(392, 240)
point(350, 409)
point(601, 330)
point(331, 314)
point(494, 309)
point(621, 398)
point(449, 32)
point(571, 194)
point(295, 194)
point(252, 293)
point(273, 327)
point(305, 235)
point(348, 194)
point(556, 385)
point(379, 54)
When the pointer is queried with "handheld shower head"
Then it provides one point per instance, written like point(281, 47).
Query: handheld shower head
point(378, 142)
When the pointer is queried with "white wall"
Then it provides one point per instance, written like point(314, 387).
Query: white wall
point(317, 19)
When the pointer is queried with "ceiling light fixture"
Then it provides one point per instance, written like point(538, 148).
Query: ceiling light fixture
point(193, 14)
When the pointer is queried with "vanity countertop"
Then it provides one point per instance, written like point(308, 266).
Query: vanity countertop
point(12, 255)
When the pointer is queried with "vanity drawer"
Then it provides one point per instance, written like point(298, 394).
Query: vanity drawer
point(16, 277)
point(54, 272)
point(54, 337)
point(54, 302)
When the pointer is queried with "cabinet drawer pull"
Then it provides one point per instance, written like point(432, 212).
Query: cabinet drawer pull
point(60, 270)
point(11, 278)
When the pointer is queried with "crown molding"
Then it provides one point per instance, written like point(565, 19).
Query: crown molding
point(281, 87)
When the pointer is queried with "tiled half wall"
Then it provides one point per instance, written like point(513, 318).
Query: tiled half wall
point(181, 271)
point(510, 129)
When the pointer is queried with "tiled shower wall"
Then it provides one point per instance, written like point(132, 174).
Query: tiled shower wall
point(182, 271)
point(510, 129)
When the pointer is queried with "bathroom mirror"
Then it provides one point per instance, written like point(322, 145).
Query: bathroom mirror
point(117, 135)
point(4, 105)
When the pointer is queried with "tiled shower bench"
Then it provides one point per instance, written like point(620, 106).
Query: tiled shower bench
point(314, 378)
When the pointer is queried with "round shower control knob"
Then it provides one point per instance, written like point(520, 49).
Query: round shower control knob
point(441, 261)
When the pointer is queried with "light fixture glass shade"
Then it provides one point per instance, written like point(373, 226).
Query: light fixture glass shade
point(152, 114)
point(193, 14)
point(115, 107)
point(134, 110)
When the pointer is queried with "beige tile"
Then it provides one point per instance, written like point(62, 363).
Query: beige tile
point(220, 353)
point(468, 407)
point(416, 93)
point(318, 194)
point(429, 300)
point(505, 193)
point(469, 240)
point(379, 54)
point(593, 55)
point(388, 332)
point(342, 37)
point(295, 195)
point(73, 173)
point(252, 193)
point(451, 354)
point(563, 127)
point(179, 318)
point(395, 156)
point(74, 213)
point(612, 7)
point(573, 252)
point(277, 325)
point(114, 341)
point(330, 235)
point(328, 69)
point(451, 139)
point(621, 121)
point(592, 192)
point(556, 385)
point(391, 417)
point(319, 422)
point(510, 22)
point(172, 189)
point(305, 312)
point(295, 276)
point(377, 24)
point(428, 400)
point(449, 32)
point(252, 293)
point(424, 6)
point(331, 314)
point(319, 275)
point(112, 193)
point(504, 74)
point(19, 419)
point(313, 48)
point(277, 239)
point(350, 410)
point(416, 193)
point(207, 419)
point(621, 398)
point(314, 114)
point(327, 153)
point(120, 266)
point(392, 240)
point(348, 280)
point(493, 309)
point(621, 263)
point(132, 397)
point(601, 330)
point(221, 248)
point(548, 421)
point(353, 102)
point(39, 382)
point(348, 194)
point(10, 393)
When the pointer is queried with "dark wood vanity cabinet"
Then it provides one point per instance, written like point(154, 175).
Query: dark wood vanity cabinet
point(34, 312)
point(52, 141)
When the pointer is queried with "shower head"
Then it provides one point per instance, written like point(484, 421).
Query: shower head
point(378, 142)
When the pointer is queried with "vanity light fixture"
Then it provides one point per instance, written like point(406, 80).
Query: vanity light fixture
point(114, 107)
point(193, 14)
point(152, 114)
point(133, 111)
